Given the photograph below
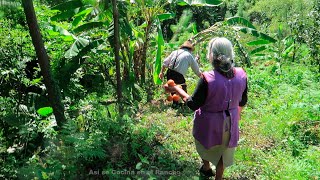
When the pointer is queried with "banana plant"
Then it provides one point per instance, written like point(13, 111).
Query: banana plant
point(79, 13)
point(90, 30)
point(234, 26)
point(148, 13)
point(197, 2)
point(283, 48)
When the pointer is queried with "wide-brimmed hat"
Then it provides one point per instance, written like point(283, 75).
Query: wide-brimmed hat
point(187, 44)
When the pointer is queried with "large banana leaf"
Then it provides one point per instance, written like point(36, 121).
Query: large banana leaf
point(76, 47)
point(198, 2)
point(157, 66)
point(76, 61)
point(81, 16)
point(88, 26)
point(91, 47)
point(255, 33)
point(80, 46)
point(239, 21)
point(245, 26)
point(259, 49)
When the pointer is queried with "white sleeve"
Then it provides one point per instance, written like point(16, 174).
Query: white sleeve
point(167, 60)
point(194, 66)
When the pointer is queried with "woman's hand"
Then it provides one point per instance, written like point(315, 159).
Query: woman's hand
point(169, 89)
point(178, 90)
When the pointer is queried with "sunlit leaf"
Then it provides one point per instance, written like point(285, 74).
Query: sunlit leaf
point(138, 166)
point(36, 81)
point(45, 111)
point(194, 28)
point(111, 72)
point(182, 3)
point(258, 42)
point(166, 16)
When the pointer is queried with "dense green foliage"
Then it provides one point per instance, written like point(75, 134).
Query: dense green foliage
point(280, 134)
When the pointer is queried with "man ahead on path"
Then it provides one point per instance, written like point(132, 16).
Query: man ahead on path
point(178, 63)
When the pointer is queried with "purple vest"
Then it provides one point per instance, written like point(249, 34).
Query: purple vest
point(208, 119)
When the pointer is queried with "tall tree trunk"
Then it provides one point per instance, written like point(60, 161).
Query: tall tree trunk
point(136, 63)
point(116, 51)
point(54, 94)
point(125, 58)
point(144, 54)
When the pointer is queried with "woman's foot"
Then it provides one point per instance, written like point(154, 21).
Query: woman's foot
point(206, 172)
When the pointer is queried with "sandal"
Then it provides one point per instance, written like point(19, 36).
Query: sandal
point(208, 173)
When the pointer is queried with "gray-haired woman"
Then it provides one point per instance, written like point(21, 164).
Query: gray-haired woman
point(217, 101)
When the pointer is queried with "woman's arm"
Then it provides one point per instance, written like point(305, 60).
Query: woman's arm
point(244, 100)
point(178, 90)
point(199, 95)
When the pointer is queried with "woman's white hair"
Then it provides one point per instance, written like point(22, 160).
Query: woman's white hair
point(221, 49)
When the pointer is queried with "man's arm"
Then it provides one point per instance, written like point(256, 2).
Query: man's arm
point(165, 64)
point(195, 67)
point(162, 70)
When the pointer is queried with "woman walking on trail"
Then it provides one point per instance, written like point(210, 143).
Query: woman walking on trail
point(217, 100)
point(178, 63)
